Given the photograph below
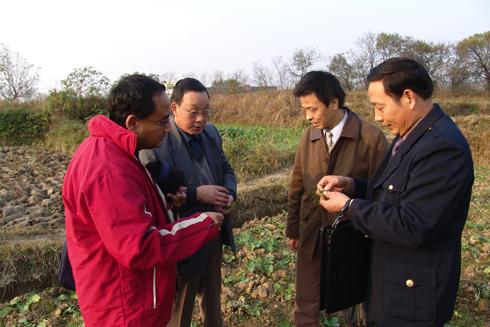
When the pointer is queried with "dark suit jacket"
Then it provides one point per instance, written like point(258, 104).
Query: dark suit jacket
point(174, 151)
point(415, 209)
point(358, 152)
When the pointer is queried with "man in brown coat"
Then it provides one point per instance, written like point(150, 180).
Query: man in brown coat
point(338, 142)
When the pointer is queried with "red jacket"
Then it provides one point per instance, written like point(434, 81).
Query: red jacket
point(122, 248)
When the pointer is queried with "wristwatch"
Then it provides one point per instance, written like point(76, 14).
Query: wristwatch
point(346, 207)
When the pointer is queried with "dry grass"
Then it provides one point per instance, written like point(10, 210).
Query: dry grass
point(262, 197)
point(280, 108)
point(28, 266)
point(476, 129)
point(274, 108)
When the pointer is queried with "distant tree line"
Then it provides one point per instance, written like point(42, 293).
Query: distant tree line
point(457, 66)
point(461, 65)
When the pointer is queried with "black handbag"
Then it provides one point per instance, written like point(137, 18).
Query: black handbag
point(65, 273)
point(345, 255)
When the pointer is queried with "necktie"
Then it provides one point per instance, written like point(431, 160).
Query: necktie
point(196, 147)
point(396, 146)
point(329, 140)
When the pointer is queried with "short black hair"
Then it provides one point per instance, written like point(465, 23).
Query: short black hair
point(399, 74)
point(185, 85)
point(324, 84)
point(133, 95)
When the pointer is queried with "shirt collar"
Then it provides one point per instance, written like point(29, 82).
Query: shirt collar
point(337, 130)
point(413, 126)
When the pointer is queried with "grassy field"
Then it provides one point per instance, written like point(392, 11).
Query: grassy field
point(255, 151)
point(260, 133)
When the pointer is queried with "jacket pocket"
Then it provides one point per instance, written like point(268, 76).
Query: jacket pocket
point(391, 192)
point(410, 292)
point(306, 208)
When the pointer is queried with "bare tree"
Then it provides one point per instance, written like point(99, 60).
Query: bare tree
point(363, 59)
point(460, 76)
point(360, 69)
point(475, 51)
point(217, 76)
point(343, 70)
point(281, 72)
point(191, 74)
point(390, 45)
point(241, 76)
point(168, 77)
point(235, 82)
point(262, 75)
point(204, 78)
point(18, 78)
point(367, 50)
point(434, 56)
point(302, 60)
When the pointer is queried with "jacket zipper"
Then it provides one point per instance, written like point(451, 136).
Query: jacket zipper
point(155, 287)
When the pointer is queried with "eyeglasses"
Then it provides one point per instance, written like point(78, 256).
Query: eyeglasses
point(161, 123)
point(194, 113)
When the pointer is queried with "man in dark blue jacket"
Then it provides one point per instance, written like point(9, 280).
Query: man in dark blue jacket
point(415, 206)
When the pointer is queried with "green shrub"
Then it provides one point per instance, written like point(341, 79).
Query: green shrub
point(66, 135)
point(67, 104)
point(23, 126)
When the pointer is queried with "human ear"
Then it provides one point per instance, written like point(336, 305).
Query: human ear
point(173, 107)
point(410, 98)
point(334, 104)
point(131, 122)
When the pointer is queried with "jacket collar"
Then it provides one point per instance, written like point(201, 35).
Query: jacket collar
point(351, 128)
point(425, 124)
point(101, 126)
point(391, 163)
point(178, 145)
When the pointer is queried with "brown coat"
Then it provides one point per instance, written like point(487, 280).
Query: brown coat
point(357, 153)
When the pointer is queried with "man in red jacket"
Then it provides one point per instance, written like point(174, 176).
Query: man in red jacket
point(122, 244)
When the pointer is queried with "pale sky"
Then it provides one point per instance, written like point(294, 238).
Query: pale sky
point(118, 37)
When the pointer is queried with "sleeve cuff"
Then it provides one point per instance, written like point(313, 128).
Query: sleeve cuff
point(191, 194)
point(361, 188)
point(233, 194)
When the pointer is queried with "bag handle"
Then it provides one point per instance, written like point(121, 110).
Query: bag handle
point(333, 227)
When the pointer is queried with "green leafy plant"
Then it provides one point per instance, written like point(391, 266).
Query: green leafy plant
point(23, 126)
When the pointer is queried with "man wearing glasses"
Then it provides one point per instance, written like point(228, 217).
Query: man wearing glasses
point(194, 146)
point(123, 246)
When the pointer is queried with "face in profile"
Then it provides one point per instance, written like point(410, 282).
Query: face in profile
point(317, 113)
point(192, 114)
point(389, 112)
point(152, 129)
